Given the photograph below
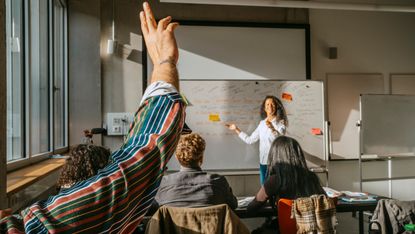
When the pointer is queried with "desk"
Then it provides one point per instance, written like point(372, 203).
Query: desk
point(359, 207)
point(266, 211)
point(341, 207)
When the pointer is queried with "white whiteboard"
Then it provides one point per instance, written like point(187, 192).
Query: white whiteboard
point(241, 53)
point(239, 102)
point(388, 125)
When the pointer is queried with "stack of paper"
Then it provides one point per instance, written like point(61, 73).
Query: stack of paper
point(357, 197)
point(349, 196)
point(332, 192)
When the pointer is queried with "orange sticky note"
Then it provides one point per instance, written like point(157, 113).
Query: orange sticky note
point(316, 131)
point(287, 97)
point(214, 117)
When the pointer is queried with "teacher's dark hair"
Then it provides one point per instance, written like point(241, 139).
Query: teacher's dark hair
point(287, 162)
point(279, 109)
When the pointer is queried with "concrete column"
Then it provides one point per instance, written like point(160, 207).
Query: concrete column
point(84, 68)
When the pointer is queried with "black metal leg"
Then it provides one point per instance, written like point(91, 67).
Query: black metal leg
point(361, 222)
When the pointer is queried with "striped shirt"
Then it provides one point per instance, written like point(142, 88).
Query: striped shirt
point(117, 198)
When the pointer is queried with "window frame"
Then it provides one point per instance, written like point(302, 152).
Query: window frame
point(63, 4)
point(27, 156)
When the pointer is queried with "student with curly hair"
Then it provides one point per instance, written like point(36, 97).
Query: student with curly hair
point(83, 162)
point(192, 187)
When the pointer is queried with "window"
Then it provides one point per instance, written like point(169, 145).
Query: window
point(60, 80)
point(36, 79)
point(14, 50)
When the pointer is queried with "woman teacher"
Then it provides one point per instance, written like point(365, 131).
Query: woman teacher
point(274, 124)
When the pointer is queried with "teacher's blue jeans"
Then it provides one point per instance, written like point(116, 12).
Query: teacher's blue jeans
point(262, 173)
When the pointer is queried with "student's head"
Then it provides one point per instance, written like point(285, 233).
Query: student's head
point(190, 149)
point(273, 106)
point(83, 162)
point(286, 150)
point(287, 162)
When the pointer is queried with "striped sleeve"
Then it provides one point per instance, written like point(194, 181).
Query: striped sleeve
point(116, 199)
point(12, 225)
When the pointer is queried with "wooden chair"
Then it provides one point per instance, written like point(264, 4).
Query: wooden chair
point(287, 225)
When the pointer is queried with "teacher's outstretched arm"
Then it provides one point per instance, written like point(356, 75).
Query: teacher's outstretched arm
point(254, 137)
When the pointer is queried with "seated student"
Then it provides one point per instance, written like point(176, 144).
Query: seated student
point(83, 162)
point(288, 175)
point(192, 187)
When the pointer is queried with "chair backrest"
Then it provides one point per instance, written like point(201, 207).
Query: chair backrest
point(218, 219)
point(287, 225)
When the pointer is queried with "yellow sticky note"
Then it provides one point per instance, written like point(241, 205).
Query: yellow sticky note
point(214, 117)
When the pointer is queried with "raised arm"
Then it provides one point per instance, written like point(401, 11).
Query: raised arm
point(161, 46)
point(116, 199)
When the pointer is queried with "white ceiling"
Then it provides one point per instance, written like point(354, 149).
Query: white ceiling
point(362, 5)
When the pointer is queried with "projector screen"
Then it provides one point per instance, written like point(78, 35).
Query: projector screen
point(231, 51)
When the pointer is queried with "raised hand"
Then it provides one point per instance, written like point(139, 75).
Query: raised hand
point(160, 40)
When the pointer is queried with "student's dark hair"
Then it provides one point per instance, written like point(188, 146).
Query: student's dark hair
point(287, 162)
point(279, 109)
point(83, 162)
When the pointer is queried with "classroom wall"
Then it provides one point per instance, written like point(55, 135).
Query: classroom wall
point(121, 71)
point(84, 68)
point(367, 42)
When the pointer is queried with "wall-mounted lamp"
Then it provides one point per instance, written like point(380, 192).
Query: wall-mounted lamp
point(112, 43)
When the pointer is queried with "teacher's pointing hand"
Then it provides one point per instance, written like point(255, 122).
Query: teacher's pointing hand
point(233, 127)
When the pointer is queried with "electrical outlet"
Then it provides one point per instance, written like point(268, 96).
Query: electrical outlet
point(116, 129)
point(119, 123)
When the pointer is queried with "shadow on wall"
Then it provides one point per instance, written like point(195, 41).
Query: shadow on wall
point(126, 51)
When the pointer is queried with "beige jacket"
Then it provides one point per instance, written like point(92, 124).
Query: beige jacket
point(210, 220)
